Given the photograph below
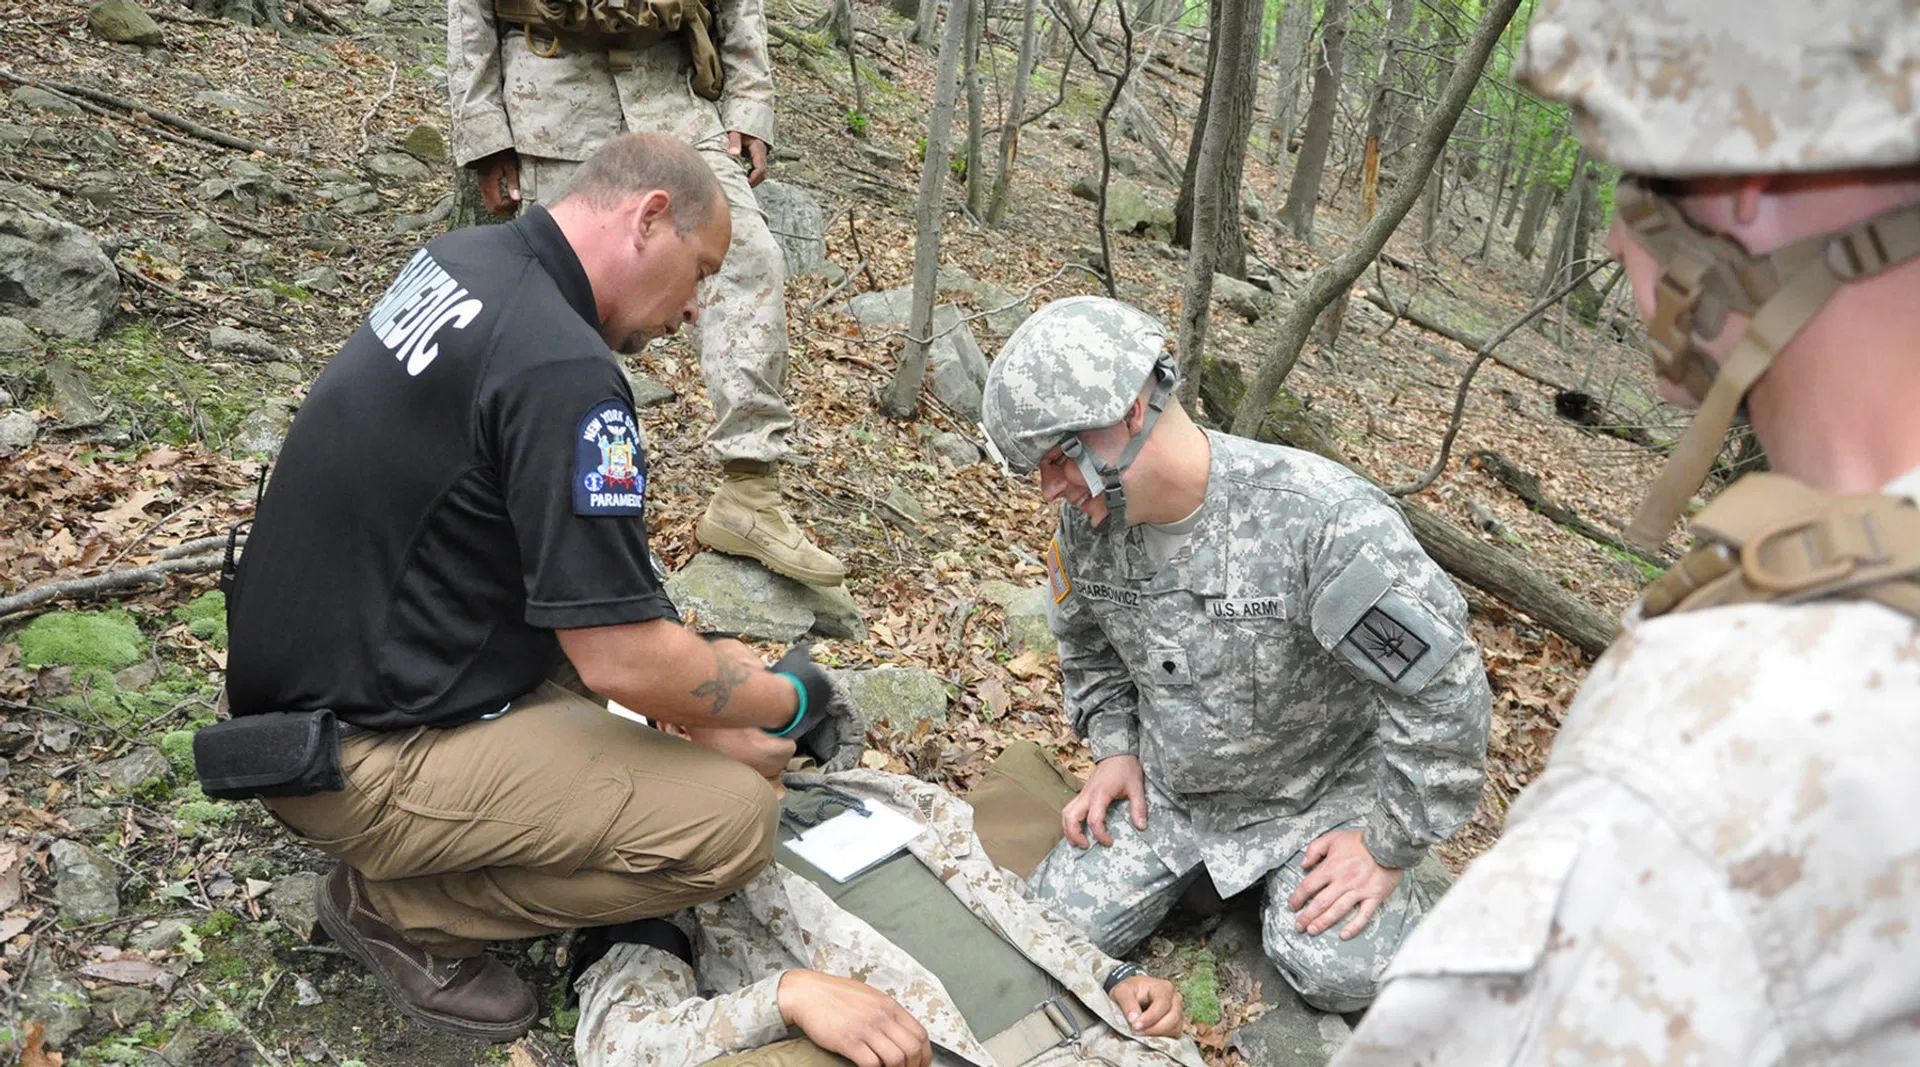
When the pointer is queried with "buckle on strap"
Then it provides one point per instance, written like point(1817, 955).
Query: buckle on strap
point(1062, 1017)
point(1806, 552)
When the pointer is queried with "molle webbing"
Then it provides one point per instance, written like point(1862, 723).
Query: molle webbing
point(1770, 539)
point(620, 27)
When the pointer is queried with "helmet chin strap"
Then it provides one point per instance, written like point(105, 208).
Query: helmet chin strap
point(1704, 277)
point(1105, 477)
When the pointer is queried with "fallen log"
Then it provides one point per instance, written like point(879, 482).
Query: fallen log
point(1527, 487)
point(1458, 552)
point(119, 581)
point(1465, 340)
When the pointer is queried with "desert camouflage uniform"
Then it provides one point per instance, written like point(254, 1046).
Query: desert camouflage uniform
point(555, 111)
point(1298, 666)
point(1720, 866)
point(642, 1007)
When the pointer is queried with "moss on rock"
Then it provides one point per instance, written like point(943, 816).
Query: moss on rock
point(94, 640)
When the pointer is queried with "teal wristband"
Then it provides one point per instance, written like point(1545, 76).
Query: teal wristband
point(800, 691)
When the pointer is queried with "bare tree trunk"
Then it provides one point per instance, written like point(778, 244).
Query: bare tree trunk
point(1558, 251)
point(976, 182)
point(1304, 193)
point(1010, 127)
point(1380, 102)
point(903, 394)
point(1183, 203)
point(1539, 200)
point(925, 20)
point(1330, 281)
point(1499, 186)
point(1217, 180)
point(1430, 212)
point(1290, 68)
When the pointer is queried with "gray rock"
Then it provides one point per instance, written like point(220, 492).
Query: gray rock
point(1130, 208)
point(13, 135)
point(86, 885)
point(959, 368)
point(1075, 139)
point(956, 449)
point(123, 22)
point(335, 174)
point(253, 249)
point(72, 394)
point(291, 899)
point(1248, 299)
point(118, 1006)
point(359, 204)
point(328, 246)
point(53, 276)
point(138, 676)
point(261, 298)
point(238, 103)
point(335, 192)
point(58, 1002)
point(787, 154)
point(904, 503)
point(433, 216)
point(321, 280)
point(285, 372)
point(793, 214)
point(204, 233)
point(425, 143)
point(17, 430)
point(647, 392)
point(881, 157)
point(1254, 210)
point(397, 166)
point(739, 596)
point(378, 9)
point(136, 768)
point(901, 697)
point(1025, 611)
point(1005, 311)
point(158, 936)
point(5, 769)
point(85, 820)
point(41, 100)
point(100, 143)
point(245, 344)
point(264, 431)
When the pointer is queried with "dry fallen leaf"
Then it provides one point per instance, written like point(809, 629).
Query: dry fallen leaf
point(1027, 665)
point(34, 1055)
point(131, 969)
point(10, 857)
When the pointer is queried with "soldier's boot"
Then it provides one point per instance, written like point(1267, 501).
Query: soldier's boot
point(477, 997)
point(745, 519)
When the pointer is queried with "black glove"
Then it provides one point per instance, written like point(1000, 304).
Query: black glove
point(827, 728)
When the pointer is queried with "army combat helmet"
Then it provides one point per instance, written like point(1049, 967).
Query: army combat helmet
point(1077, 364)
point(1669, 89)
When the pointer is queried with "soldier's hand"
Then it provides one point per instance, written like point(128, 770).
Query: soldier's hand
point(499, 176)
point(1151, 1005)
point(1342, 878)
point(853, 1019)
point(756, 154)
point(1112, 778)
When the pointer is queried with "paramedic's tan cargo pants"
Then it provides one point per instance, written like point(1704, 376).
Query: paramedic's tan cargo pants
point(553, 816)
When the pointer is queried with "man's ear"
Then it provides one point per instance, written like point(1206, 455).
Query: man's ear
point(651, 212)
point(1136, 416)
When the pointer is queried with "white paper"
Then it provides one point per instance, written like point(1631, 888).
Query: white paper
point(850, 842)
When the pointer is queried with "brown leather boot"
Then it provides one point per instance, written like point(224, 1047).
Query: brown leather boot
point(478, 997)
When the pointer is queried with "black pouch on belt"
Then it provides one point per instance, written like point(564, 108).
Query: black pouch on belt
point(272, 754)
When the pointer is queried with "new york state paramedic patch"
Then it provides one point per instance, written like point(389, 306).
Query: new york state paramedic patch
point(608, 473)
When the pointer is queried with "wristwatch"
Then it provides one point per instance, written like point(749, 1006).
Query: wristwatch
point(1121, 974)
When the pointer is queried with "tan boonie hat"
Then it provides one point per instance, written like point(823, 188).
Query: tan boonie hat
point(1687, 88)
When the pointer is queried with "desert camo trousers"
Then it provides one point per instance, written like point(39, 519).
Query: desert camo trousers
point(741, 335)
point(1118, 894)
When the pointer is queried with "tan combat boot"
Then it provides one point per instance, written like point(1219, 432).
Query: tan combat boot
point(745, 519)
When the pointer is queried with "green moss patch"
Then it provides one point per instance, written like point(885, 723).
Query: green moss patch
point(1201, 988)
point(206, 617)
point(96, 640)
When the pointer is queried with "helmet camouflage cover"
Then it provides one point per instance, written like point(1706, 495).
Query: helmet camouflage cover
point(1076, 364)
point(1677, 88)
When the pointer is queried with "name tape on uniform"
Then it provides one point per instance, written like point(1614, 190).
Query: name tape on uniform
point(1247, 607)
point(1126, 598)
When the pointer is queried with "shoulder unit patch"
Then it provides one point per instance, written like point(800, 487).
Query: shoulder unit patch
point(609, 477)
point(1388, 645)
point(1057, 573)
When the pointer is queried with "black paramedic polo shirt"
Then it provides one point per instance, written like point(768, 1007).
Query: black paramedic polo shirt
point(464, 478)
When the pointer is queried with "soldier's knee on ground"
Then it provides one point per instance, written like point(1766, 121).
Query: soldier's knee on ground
point(1329, 974)
point(737, 842)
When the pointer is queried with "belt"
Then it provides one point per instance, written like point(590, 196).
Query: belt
point(1058, 1020)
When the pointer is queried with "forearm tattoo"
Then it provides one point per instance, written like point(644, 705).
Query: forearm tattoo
point(727, 673)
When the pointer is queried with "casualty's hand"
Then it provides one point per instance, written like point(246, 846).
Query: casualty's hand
point(853, 1019)
point(1113, 778)
point(1151, 1005)
point(499, 176)
point(1342, 877)
point(756, 154)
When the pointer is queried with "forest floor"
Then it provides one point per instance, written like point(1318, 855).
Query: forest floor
point(176, 976)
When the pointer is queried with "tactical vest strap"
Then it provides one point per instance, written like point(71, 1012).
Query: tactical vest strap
point(1771, 539)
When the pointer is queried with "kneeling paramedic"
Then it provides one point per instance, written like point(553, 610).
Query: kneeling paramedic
point(458, 513)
